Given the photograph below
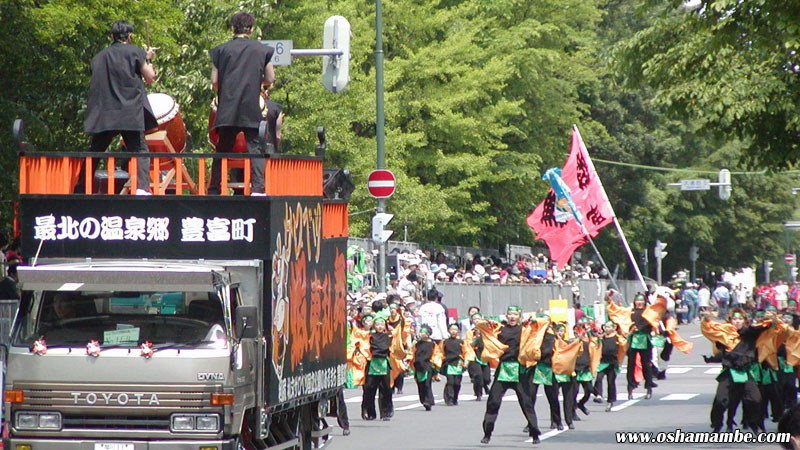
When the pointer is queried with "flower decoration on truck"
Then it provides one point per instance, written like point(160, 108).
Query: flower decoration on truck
point(147, 349)
point(39, 347)
point(93, 348)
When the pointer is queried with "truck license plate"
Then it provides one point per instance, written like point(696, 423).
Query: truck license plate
point(113, 446)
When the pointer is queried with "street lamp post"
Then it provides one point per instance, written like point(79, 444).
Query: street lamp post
point(379, 132)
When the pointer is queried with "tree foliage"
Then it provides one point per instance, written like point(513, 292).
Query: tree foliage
point(733, 65)
point(479, 100)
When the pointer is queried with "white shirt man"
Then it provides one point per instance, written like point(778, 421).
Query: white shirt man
point(781, 295)
point(703, 297)
point(739, 296)
point(432, 313)
point(407, 286)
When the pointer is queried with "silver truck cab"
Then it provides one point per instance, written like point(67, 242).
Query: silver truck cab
point(126, 349)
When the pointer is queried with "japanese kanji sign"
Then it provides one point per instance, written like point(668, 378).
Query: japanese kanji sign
point(187, 227)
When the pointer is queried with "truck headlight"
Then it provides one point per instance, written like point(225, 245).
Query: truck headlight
point(50, 421)
point(194, 423)
point(207, 423)
point(30, 420)
point(182, 423)
point(27, 421)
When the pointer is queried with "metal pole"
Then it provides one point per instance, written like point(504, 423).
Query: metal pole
point(379, 133)
point(658, 270)
point(766, 272)
point(694, 271)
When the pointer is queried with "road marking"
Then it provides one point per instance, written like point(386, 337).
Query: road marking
point(678, 397)
point(696, 366)
point(636, 399)
point(411, 398)
point(418, 404)
point(548, 435)
point(415, 405)
point(714, 371)
point(678, 370)
point(695, 336)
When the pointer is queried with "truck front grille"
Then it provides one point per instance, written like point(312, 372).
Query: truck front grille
point(94, 422)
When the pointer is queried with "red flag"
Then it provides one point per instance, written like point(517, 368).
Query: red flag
point(556, 226)
point(554, 223)
point(587, 190)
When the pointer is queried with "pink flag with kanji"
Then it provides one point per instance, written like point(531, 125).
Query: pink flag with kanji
point(555, 224)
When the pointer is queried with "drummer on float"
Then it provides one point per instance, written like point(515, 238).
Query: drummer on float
point(239, 69)
point(117, 102)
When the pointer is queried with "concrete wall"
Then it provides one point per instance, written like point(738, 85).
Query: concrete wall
point(494, 299)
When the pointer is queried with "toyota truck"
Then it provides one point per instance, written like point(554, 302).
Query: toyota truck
point(177, 320)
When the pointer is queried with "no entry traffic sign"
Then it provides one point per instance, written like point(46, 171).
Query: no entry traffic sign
point(380, 183)
point(789, 258)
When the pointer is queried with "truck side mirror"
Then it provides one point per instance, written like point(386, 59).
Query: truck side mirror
point(246, 322)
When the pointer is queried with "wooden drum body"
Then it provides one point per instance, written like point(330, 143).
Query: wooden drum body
point(168, 116)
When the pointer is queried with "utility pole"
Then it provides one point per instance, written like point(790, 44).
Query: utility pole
point(379, 132)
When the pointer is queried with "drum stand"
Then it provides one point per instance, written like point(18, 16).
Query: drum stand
point(158, 142)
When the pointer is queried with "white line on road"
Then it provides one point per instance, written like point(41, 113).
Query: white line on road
point(695, 336)
point(677, 370)
point(636, 399)
point(678, 397)
point(549, 434)
point(714, 371)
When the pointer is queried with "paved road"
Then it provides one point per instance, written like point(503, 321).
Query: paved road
point(682, 401)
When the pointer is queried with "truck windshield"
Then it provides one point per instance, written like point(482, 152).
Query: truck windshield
point(121, 319)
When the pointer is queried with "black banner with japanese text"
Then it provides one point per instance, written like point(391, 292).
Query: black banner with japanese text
point(145, 227)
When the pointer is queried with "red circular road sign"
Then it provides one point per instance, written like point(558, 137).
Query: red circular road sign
point(789, 258)
point(380, 183)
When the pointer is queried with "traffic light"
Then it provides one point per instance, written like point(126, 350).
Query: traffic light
point(724, 179)
point(768, 266)
point(336, 69)
point(659, 250)
point(693, 253)
point(794, 273)
point(379, 221)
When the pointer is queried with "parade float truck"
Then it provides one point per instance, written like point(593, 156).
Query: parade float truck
point(177, 320)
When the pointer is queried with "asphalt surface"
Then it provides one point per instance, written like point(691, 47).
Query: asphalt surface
point(682, 401)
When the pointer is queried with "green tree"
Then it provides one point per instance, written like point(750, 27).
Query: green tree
point(733, 65)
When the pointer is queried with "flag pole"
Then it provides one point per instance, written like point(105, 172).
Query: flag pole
point(613, 215)
point(602, 261)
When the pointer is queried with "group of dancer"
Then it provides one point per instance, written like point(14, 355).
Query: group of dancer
point(524, 353)
point(759, 351)
point(382, 350)
point(537, 352)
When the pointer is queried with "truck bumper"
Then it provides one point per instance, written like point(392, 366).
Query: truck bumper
point(89, 444)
